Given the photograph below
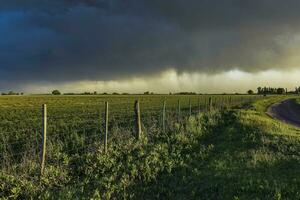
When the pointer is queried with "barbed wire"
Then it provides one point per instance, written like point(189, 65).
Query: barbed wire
point(201, 98)
point(17, 107)
point(73, 116)
point(18, 142)
point(113, 117)
point(117, 118)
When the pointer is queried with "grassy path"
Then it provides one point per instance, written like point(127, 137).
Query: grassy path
point(251, 156)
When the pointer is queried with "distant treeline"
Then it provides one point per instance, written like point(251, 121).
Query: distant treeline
point(260, 90)
point(56, 92)
point(12, 93)
point(297, 90)
point(280, 90)
point(95, 93)
point(115, 93)
point(186, 93)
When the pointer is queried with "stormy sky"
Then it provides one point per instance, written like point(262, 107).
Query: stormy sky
point(106, 44)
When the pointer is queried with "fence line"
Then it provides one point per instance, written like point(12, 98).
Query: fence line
point(135, 116)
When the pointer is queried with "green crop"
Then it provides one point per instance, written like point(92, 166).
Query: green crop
point(233, 152)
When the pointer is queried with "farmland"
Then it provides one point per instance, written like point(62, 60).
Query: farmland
point(78, 120)
point(232, 150)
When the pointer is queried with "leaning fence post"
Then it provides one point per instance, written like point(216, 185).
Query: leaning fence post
point(164, 116)
point(178, 111)
point(44, 138)
point(106, 127)
point(138, 120)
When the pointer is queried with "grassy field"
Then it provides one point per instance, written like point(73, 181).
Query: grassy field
point(236, 152)
point(24, 112)
point(75, 123)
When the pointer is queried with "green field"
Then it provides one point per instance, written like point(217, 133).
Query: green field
point(234, 151)
point(76, 122)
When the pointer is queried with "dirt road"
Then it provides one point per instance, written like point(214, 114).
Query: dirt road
point(287, 111)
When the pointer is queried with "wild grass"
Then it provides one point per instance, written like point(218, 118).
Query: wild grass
point(224, 154)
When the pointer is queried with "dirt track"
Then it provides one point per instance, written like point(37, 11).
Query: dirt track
point(287, 111)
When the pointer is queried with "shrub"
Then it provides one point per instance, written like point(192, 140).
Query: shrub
point(56, 92)
point(250, 92)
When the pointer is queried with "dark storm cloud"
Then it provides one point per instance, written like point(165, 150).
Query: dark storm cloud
point(103, 39)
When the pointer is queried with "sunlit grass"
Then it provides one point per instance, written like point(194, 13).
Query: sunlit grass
point(225, 154)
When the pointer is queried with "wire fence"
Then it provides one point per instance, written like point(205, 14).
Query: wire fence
point(75, 130)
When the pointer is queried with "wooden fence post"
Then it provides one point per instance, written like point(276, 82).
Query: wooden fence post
point(190, 107)
point(164, 116)
point(138, 120)
point(178, 111)
point(106, 127)
point(199, 106)
point(44, 139)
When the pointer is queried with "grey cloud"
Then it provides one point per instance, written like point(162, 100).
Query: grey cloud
point(109, 39)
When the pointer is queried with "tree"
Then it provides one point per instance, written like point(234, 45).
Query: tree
point(250, 92)
point(56, 92)
point(280, 91)
point(259, 90)
point(10, 93)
